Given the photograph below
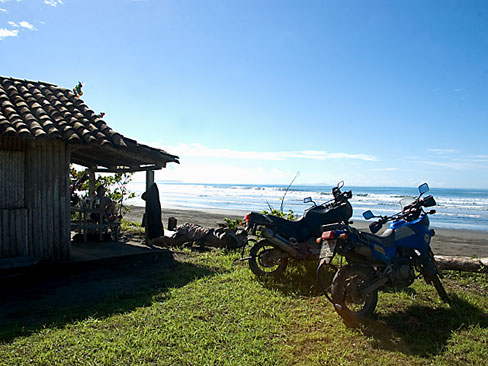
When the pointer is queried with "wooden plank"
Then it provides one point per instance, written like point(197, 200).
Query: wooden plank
point(34, 183)
point(42, 202)
point(67, 203)
point(1, 234)
point(50, 199)
point(6, 234)
point(55, 199)
point(26, 232)
point(36, 206)
point(28, 189)
point(17, 219)
point(13, 239)
point(12, 179)
point(61, 196)
point(21, 219)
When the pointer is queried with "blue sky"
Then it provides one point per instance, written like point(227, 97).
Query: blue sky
point(381, 93)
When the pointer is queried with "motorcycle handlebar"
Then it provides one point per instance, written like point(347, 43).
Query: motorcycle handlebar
point(342, 196)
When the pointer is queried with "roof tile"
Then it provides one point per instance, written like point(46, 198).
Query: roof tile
point(37, 109)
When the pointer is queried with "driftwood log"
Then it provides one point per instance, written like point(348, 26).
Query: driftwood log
point(458, 263)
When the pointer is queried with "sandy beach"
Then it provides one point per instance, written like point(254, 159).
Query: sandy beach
point(445, 242)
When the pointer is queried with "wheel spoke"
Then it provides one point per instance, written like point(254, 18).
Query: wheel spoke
point(266, 259)
point(347, 290)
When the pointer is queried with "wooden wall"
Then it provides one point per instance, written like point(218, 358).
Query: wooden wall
point(37, 222)
point(12, 179)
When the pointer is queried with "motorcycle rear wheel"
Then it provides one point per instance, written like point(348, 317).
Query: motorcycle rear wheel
point(350, 304)
point(261, 261)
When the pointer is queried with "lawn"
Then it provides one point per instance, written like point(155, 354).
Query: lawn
point(207, 309)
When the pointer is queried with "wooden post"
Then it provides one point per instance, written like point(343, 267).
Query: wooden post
point(149, 178)
point(91, 181)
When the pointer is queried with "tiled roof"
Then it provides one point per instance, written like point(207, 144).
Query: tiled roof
point(38, 110)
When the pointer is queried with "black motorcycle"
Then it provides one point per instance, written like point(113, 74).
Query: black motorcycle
point(283, 239)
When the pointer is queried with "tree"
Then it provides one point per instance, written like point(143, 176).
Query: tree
point(116, 186)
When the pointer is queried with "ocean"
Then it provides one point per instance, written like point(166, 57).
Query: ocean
point(456, 208)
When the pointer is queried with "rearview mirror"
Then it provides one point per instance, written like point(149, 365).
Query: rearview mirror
point(307, 200)
point(368, 215)
point(423, 188)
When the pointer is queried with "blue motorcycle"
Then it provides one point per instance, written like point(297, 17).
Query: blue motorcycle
point(378, 261)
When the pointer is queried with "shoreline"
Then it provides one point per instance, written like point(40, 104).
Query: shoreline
point(461, 242)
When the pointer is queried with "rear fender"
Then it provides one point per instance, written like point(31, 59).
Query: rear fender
point(256, 219)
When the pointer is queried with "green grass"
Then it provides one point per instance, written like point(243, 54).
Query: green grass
point(209, 310)
point(130, 227)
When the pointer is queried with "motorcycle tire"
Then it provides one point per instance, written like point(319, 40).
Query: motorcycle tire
point(261, 262)
point(349, 304)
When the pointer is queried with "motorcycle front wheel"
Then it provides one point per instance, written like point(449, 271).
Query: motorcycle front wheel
point(266, 260)
point(350, 304)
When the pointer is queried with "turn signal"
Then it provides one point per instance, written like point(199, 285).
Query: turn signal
point(343, 236)
point(247, 218)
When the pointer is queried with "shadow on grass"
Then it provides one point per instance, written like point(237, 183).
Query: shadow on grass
point(54, 299)
point(299, 279)
point(423, 330)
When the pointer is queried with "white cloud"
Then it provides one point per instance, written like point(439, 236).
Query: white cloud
point(53, 3)
point(384, 170)
point(479, 158)
point(228, 173)
point(4, 33)
point(456, 165)
point(3, 10)
point(27, 25)
point(198, 150)
point(13, 24)
point(443, 151)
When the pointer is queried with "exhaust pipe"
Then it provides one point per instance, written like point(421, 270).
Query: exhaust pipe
point(280, 242)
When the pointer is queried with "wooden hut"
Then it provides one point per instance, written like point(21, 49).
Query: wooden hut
point(44, 128)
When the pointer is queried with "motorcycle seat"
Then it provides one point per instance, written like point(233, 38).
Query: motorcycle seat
point(386, 239)
point(290, 229)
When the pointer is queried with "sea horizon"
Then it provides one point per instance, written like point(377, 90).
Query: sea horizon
point(457, 208)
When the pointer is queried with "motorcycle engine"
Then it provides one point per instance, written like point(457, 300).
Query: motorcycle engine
point(402, 275)
point(311, 244)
